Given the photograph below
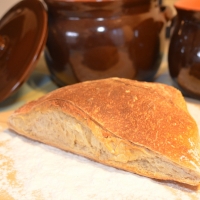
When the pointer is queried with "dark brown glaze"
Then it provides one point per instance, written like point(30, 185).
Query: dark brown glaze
point(184, 51)
point(23, 32)
point(93, 40)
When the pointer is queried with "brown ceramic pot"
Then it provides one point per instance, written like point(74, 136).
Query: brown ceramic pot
point(90, 39)
point(184, 50)
point(23, 33)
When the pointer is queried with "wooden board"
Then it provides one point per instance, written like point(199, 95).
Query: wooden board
point(3, 118)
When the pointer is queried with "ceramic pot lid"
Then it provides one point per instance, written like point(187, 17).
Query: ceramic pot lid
point(23, 33)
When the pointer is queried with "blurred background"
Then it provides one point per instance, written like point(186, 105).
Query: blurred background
point(5, 4)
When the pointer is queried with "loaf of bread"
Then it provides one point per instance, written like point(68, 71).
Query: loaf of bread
point(140, 127)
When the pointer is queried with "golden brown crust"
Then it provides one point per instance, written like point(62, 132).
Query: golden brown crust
point(151, 115)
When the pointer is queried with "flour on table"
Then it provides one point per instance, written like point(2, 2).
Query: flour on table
point(34, 171)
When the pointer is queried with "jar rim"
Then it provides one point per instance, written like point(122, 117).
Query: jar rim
point(192, 5)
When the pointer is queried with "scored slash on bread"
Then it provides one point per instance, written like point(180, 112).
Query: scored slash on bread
point(141, 127)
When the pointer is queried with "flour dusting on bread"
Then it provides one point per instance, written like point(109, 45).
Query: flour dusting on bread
point(141, 127)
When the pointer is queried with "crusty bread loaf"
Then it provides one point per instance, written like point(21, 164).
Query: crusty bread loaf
point(140, 127)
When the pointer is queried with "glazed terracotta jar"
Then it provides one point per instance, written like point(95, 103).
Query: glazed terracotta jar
point(90, 39)
point(184, 50)
point(87, 39)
